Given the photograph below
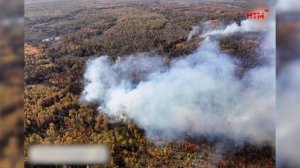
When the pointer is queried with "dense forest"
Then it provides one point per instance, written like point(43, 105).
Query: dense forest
point(61, 37)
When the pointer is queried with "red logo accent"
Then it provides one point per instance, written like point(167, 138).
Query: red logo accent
point(257, 15)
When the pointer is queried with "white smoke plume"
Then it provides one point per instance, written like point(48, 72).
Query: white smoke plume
point(195, 31)
point(246, 26)
point(196, 95)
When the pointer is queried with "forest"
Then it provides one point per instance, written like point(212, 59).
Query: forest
point(77, 31)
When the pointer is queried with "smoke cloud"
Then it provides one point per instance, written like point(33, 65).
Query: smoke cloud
point(246, 26)
point(195, 30)
point(195, 95)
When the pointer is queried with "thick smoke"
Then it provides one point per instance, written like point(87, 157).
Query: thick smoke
point(195, 95)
